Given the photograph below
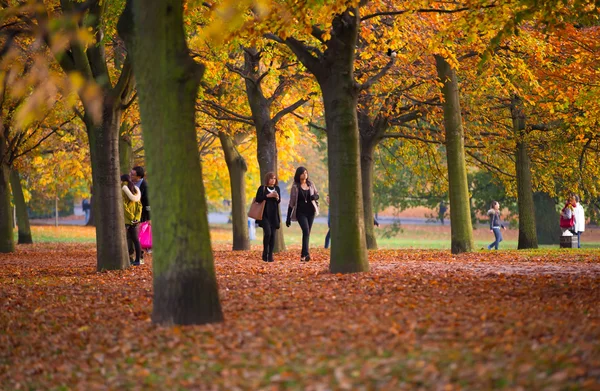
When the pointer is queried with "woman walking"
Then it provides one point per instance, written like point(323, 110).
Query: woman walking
point(303, 208)
point(271, 219)
point(132, 208)
point(495, 224)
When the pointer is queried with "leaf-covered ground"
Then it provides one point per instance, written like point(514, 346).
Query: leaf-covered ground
point(417, 320)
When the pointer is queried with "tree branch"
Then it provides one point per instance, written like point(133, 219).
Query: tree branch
point(366, 85)
point(289, 109)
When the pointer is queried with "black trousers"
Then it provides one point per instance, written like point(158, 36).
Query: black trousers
point(268, 238)
point(305, 223)
point(133, 241)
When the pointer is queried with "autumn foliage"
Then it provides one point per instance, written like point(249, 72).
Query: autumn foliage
point(417, 320)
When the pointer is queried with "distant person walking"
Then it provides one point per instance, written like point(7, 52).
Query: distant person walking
point(495, 224)
point(442, 211)
point(86, 207)
point(132, 208)
point(271, 219)
point(579, 220)
point(303, 208)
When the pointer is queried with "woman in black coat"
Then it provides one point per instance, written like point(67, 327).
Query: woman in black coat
point(271, 219)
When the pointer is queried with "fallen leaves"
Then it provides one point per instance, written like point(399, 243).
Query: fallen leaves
point(418, 320)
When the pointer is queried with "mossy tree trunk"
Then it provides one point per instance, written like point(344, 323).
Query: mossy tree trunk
point(185, 285)
point(527, 230)
point(236, 164)
point(125, 150)
point(546, 219)
point(24, 236)
point(334, 70)
point(7, 241)
point(458, 186)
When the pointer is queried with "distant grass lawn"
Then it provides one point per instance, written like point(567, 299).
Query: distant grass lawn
point(412, 236)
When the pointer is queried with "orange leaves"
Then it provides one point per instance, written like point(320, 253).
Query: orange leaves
point(419, 319)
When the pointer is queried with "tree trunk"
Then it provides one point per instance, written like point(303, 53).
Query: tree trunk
point(340, 94)
point(260, 106)
point(546, 219)
point(185, 285)
point(7, 241)
point(111, 244)
point(236, 164)
point(125, 150)
point(366, 168)
point(21, 207)
point(527, 231)
point(458, 187)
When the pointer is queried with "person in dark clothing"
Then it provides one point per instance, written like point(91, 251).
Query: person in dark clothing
point(328, 235)
point(271, 219)
point(137, 177)
point(303, 208)
point(495, 224)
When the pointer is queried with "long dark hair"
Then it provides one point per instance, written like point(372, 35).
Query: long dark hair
point(130, 185)
point(299, 171)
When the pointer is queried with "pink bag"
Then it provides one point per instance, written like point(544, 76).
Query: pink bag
point(146, 235)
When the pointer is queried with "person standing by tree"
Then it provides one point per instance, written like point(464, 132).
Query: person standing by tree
point(271, 219)
point(86, 207)
point(303, 208)
point(132, 208)
point(137, 177)
point(495, 224)
point(579, 220)
point(442, 211)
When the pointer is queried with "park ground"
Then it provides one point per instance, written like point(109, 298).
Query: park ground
point(419, 319)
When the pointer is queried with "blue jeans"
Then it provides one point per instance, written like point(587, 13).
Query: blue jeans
point(498, 236)
point(578, 239)
point(327, 238)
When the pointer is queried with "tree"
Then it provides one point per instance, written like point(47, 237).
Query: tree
point(458, 188)
point(24, 232)
point(185, 285)
point(334, 70)
point(103, 133)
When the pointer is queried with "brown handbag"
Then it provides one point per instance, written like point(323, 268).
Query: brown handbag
point(256, 209)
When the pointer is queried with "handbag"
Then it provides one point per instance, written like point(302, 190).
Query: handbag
point(256, 209)
point(145, 235)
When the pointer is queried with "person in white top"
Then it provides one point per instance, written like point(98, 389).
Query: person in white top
point(579, 221)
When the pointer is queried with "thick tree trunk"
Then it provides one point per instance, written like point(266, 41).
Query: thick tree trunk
point(111, 245)
point(546, 219)
point(458, 187)
point(348, 243)
point(185, 285)
point(7, 241)
point(366, 168)
point(266, 141)
point(21, 206)
point(236, 164)
point(527, 231)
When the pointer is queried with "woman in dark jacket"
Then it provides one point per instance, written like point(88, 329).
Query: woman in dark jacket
point(495, 224)
point(271, 219)
point(303, 208)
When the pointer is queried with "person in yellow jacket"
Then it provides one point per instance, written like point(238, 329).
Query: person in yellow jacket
point(132, 208)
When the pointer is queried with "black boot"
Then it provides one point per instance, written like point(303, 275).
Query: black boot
point(270, 257)
point(265, 256)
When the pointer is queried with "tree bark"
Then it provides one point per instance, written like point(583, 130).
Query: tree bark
point(104, 154)
point(236, 164)
point(185, 285)
point(458, 187)
point(125, 150)
point(527, 230)
point(546, 219)
point(260, 106)
point(367, 149)
point(22, 215)
point(334, 71)
point(7, 241)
